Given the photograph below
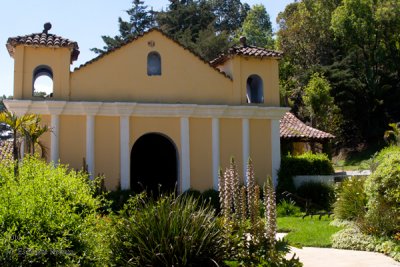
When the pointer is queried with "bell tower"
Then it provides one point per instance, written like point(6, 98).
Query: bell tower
point(42, 65)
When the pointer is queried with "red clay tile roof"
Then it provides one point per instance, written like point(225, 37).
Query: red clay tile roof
point(293, 128)
point(43, 40)
point(248, 51)
point(5, 150)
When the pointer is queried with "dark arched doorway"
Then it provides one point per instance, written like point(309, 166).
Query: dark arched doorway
point(154, 166)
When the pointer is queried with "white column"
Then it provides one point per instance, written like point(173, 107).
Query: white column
point(54, 142)
point(245, 146)
point(90, 121)
point(215, 152)
point(124, 152)
point(275, 150)
point(185, 155)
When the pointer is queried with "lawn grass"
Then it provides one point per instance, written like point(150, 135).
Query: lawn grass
point(307, 232)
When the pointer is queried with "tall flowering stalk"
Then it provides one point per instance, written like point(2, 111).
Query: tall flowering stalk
point(221, 189)
point(251, 196)
point(227, 200)
point(235, 185)
point(243, 215)
point(270, 210)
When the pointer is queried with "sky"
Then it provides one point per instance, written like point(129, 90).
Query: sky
point(83, 21)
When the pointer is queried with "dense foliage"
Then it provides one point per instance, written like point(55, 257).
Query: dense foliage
point(319, 196)
point(351, 199)
point(173, 231)
point(373, 207)
point(48, 216)
point(207, 27)
point(355, 44)
point(383, 193)
point(305, 164)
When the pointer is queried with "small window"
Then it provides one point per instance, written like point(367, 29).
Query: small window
point(153, 64)
point(43, 82)
point(255, 90)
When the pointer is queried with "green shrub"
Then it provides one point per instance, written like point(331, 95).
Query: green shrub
point(382, 155)
point(351, 199)
point(320, 194)
point(211, 197)
point(353, 238)
point(196, 194)
point(383, 193)
point(287, 208)
point(305, 164)
point(48, 216)
point(118, 198)
point(172, 231)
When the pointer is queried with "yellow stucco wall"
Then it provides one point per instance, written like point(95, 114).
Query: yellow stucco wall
point(122, 76)
point(72, 140)
point(240, 68)
point(231, 143)
point(260, 145)
point(169, 127)
point(107, 151)
point(201, 177)
point(27, 59)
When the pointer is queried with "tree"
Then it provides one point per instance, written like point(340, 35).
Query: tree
point(140, 20)
point(229, 14)
point(257, 27)
point(191, 22)
point(32, 131)
point(27, 126)
point(369, 32)
point(317, 99)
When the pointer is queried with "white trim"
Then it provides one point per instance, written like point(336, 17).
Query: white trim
point(215, 152)
point(185, 155)
point(275, 150)
point(145, 110)
point(124, 152)
point(90, 150)
point(54, 139)
point(245, 145)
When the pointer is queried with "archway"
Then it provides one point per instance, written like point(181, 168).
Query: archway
point(255, 90)
point(154, 164)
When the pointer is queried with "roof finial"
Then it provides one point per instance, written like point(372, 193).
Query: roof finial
point(46, 27)
point(243, 40)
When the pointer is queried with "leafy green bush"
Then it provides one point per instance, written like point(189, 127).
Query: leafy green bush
point(48, 216)
point(320, 194)
point(305, 164)
point(382, 155)
point(211, 197)
point(351, 199)
point(118, 198)
point(383, 193)
point(287, 208)
point(353, 238)
point(172, 231)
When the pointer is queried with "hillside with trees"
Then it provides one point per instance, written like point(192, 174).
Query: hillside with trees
point(341, 66)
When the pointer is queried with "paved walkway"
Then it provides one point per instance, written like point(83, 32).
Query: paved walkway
point(329, 257)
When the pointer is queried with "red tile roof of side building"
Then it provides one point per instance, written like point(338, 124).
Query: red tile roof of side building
point(248, 51)
point(291, 128)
